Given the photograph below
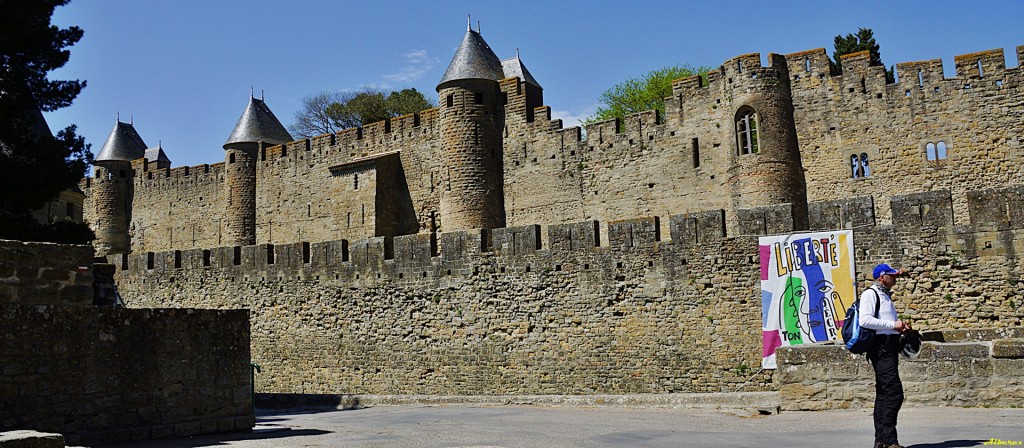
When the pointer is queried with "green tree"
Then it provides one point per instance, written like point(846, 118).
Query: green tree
point(369, 106)
point(328, 112)
point(312, 119)
point(864, 40)
point(406, 101)
point(644, 92)
point(35, 166)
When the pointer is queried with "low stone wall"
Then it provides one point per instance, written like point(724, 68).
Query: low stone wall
point(955, 368)
point(101, 375)
point(45, 273)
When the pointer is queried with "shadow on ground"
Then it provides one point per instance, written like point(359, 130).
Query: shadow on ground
point(949, 444)
point(223, 438)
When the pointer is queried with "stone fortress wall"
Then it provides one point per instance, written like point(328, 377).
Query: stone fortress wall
point(507, 312)
point(103, 375)
point(367, 275)
point(326, 187)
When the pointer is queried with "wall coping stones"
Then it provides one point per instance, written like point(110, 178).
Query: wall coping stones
point(1008, 348)
point(30, 439)
point(962, 373)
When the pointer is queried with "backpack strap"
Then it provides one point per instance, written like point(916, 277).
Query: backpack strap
point(878, 300)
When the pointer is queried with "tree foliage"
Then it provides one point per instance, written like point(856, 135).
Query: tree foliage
point(644, 92)
point(328, 112)
point(35, 166)
point(864, 40)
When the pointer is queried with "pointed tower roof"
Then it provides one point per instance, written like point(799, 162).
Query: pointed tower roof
point(514, 67)
point(258, 124)
point(473, 60)
point(123, 144)
point(157, 154)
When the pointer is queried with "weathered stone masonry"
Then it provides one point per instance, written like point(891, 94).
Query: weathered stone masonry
point(370, 272)
point(638, 315)
point(117, 375)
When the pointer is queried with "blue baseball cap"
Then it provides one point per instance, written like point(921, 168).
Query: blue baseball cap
point(883, 269)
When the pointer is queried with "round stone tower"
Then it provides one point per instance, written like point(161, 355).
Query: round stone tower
point(471, 119)
point(256, 126)
point(112, 189)
point(766, 167)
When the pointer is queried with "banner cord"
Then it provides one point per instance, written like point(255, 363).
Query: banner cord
point(748, 380)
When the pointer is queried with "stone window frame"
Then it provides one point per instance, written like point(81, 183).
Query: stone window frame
point(930, 151)
point(863, 154)
point(747, 122)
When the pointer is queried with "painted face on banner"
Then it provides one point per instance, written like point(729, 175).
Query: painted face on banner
point(816, 310)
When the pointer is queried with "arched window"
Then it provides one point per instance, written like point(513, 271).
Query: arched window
point(854, 166)
point(746, 131)
point(936, 154)
point(865, 169)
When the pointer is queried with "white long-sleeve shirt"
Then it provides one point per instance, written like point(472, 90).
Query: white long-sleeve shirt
point(886, 320)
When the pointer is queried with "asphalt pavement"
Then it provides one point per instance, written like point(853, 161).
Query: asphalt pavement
point(538, 426)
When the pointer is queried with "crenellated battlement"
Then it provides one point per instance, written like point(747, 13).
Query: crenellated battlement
point(362, 141)
point(146, 177)
point(687, 160)
point(971, 67)
point(421, 258)
point(416, 242)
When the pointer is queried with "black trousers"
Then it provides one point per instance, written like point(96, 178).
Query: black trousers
point(884, 357)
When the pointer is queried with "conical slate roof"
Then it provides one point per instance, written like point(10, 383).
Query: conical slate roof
point(157, 154)
point(514, 67)
point(473, 60)
point(123, 144)
point(258, 124)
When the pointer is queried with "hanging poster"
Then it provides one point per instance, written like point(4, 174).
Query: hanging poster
point(807, 283)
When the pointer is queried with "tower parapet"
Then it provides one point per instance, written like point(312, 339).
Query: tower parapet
point(766, 169)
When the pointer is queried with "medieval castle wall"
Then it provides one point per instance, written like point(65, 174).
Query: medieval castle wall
point(978, 115)
point(359, 282)
point(510, 313)
point(325, 188)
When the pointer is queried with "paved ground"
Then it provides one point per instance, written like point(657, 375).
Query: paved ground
point(535, 426)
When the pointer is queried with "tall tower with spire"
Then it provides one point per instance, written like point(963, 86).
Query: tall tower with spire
point(112, 188)
point(256, 126)
point(471, 119)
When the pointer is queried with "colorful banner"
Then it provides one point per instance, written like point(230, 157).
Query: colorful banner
point(807, 283)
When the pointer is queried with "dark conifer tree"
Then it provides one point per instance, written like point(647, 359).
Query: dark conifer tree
point(864, 40)
point(35, 166)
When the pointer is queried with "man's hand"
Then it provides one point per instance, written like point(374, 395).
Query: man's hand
point(901, 327)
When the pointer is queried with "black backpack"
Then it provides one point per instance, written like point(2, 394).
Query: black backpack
point(857, 338)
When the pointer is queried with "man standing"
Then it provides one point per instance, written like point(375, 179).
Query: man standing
point(884, 352)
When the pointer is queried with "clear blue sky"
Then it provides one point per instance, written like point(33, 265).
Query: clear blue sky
point(183, 68)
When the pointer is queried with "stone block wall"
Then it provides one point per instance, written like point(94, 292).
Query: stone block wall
point(102, 375)
point(961, 371)
point(45, 273)
point(386, 179)
point(507, 312)
point(515, 320)
point(857, 112)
